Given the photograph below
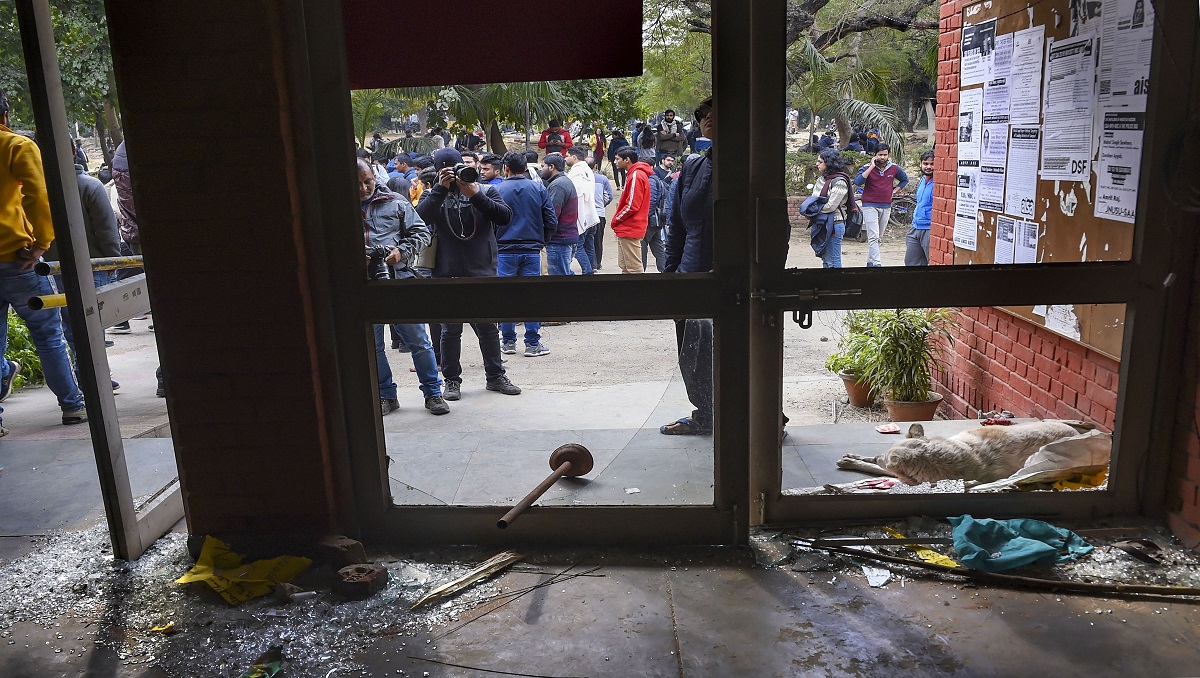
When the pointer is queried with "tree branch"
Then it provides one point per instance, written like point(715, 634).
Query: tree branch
point(900, 21)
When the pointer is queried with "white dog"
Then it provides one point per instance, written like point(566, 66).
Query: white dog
point(984, 454)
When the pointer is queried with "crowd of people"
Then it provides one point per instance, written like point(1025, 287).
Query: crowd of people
point(461, 212)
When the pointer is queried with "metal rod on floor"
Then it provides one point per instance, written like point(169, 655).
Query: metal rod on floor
point(568, 460)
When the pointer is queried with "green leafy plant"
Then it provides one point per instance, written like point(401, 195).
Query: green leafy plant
point(22, 350)
point(907, 343)
point(854, 344)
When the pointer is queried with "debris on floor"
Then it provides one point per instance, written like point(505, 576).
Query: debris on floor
point(997, 545)
point(268, 665)
point(487, 569)
point(237, 582)
point(70, 581)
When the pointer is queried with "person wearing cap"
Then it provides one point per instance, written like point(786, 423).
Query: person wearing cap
point(26, 231)
point(563, 195)
point(464, 215)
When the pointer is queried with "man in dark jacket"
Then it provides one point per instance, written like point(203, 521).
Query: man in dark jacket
point(690, 250)
point(560, 249)
point(669, 136)
point(465, 216)
point(521, 241)
point(618, 142)
point(127, 221)
point(390, 221)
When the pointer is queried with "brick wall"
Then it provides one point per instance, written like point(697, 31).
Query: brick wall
point(1000, 361)
point(218, 223)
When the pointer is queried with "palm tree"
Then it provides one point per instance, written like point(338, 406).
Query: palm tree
point(845, 91)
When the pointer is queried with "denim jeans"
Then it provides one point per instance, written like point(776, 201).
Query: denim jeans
point(45, 329)
point(423, 358)
point(832, 257)
point(653, 241)
point(558, 259)
point(489, 348)
point(585, 251)
point(99, 279)
point(520, 265)
point(387, 386)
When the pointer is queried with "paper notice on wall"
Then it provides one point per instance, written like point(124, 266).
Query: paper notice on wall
point(978, 50)
point(1025, 77)
point(1067, 109)
point(991, 188)
point(1040, 310)
point(1120, 163)
point(996, 91)
point(1125, 53)
point(1006, 238)
point(970, 123)
point(1027, 242)
point(966, 205)
point(994, 145)
point(1020, 190)
point(1062, 319)
point(1086, 17)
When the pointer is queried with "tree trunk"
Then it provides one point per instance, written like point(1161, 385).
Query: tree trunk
point(843, 129)
point(106, 147)
point(422, 120)
point(495, 138)
point(114, 123)
point(930, 115)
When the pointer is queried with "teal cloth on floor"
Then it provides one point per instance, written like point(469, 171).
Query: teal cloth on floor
point(997, 545)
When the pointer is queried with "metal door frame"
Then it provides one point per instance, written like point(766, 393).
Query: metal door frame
point(1154, 285)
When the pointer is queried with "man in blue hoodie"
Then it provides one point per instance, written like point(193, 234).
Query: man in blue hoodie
point(521, 240)
point(917, 241)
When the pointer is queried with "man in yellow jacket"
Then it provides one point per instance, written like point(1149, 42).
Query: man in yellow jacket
point(26, 230)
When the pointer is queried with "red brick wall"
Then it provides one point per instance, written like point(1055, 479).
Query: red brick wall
point(1000, 361)
point(203, 129)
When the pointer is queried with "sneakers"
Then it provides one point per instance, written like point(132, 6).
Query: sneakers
point(162, 390)
point(536, 350)
point(508, 347)
point(437, 405)
point(452, 391)
point(121, 328)
point(3, 432)
point(70, 417)
point(115, 384)
point(502, 384)
point(387, 405)
point(6, 384)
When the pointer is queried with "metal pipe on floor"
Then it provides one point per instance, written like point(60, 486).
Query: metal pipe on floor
point(568, 460)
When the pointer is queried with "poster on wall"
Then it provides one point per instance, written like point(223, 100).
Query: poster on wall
point(1067, 109)
point(1125, 53)
point(1085, 17)
point(996, 91)
point(1025, 76)
point(966, 205)
point(1006, 238)
point(1026, 243)
point(978, 49)
point(1024, 144)
point(1120, 160)
point(991, 188)
point(970, 123)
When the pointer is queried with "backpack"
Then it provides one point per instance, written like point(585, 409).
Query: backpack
point(854, 213)
point(658, 195)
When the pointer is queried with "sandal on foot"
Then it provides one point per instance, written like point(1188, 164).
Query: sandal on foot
point(684, 426)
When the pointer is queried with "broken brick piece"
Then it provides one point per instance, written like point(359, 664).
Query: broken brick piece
point(341, 551)
point(360, 581)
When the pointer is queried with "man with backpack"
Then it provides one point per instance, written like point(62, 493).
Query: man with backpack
point(880, 179)
point(655, 221)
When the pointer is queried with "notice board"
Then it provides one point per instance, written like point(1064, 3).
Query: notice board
point(1052, 104)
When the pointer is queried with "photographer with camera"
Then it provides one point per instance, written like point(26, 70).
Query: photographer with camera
point(394, 237)
point(879, 178)
point(464, 215)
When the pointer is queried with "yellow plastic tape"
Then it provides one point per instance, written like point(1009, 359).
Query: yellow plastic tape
point(235, 581)
point(1079, 482)
point(924, 553)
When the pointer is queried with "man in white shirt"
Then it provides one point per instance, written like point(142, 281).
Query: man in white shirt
point(585, 186)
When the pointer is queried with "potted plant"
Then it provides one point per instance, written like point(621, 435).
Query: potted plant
point(849, 360)
point(906, 343)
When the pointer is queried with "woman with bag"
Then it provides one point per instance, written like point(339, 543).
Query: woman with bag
point(828, 226)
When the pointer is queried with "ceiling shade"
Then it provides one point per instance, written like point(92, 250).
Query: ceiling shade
point(468, 42)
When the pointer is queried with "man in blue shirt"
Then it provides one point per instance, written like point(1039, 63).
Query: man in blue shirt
point(917, 252)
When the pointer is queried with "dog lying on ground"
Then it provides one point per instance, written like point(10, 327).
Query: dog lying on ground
point(983, 454)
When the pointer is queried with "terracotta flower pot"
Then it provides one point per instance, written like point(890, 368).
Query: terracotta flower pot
point(861, 395)
point(906, 410)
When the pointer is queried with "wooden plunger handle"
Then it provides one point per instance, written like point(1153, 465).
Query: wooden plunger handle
point(562, 470)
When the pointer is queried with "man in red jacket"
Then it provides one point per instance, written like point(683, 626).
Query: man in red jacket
point(633, 210)
point(555, 139)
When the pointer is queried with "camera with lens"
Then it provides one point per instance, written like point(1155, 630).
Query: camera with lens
point(466, 173)
point(378, 269)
